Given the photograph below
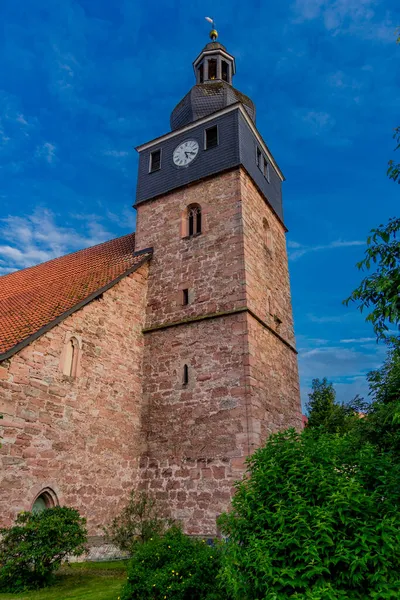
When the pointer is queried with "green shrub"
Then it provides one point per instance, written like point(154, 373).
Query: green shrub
point(34, 547)
point(138, 521)
point(317, 518)
point(174, 566)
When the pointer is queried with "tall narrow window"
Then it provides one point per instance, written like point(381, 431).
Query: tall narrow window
point(155, 161)
point(201, 73)
point(194, 220)
point(225, 71)
point(211, 137)
point(258, 157)
point(266, 169)
point(70, 358)
point(212, 68)
point(269, 303)
point(185, 297)
point(185, 379)
point(267, 235)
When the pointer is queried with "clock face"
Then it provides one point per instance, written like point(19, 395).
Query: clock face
point(185, 153)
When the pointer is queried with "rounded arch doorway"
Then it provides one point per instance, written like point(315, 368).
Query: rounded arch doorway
point(47, 498)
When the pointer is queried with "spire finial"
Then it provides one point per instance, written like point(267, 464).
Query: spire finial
point(213, 32)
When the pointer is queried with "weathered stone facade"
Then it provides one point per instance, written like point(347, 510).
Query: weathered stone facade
point(80, 437)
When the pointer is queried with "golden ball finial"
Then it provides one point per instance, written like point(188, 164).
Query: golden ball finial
point(213, 34)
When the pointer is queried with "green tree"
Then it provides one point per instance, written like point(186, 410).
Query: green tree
point(174, 566)
point(384, 383)
point(35, 546)
point(326, 414)
point(138, 521)
point(382, 426)
point(394, 169)
point(315, 518)
point(379, 292)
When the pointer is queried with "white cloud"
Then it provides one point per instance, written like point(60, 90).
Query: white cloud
point(318, 122)
point(300, 250)
point(330, 319)
point(47, 152)
point(116, 153)
point(37, 238)
point(361, 340)
point(346, 368)
point(355, 17)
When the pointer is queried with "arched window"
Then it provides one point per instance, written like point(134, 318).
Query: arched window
point(70, 357)
point(267, 235)
point(46, 499)
point(192, 221)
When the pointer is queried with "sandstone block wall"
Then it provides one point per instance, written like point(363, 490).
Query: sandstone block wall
point(242, 377)
point(210, 265)
point(80, 437)
point(273, 372)
point(267, 270)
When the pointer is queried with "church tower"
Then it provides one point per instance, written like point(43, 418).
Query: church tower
point(220, 365)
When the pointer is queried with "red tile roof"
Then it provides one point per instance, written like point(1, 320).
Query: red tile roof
point(36, 297)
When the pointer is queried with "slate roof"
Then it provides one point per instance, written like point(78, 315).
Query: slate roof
point(207, 98)
point(37, 298)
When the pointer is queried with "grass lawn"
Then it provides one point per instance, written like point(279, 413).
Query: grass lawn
point(81, 581)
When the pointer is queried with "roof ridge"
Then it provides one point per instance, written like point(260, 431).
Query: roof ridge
point(45, 262)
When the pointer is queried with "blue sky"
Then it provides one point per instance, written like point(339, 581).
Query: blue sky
point(85, 81)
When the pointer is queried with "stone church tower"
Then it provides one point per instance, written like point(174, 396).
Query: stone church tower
point(162, 359)
point(220, 366)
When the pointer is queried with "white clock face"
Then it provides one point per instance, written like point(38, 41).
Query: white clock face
point(185, 153)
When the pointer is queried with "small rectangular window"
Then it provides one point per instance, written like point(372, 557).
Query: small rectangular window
point(185, 297)
point(155, 161)
point(266, 169)
point(258, 157)
point(212, 69)
point(211, 137)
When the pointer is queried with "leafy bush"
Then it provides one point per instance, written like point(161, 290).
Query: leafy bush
point(34, 547)
point(318, 519)
point(174, 566)
point(138, 521)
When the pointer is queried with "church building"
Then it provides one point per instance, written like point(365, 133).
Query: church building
point(159, 360)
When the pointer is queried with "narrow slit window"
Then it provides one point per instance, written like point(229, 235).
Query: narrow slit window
point(225, 71)
point(212, 69)
point(211, 137)
point(201, 73)
point(155, 161)
point(191, 222)
point(267, 235)
point(185, 297)
point(185, 380)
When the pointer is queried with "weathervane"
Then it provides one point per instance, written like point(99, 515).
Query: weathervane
point(213, 32)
